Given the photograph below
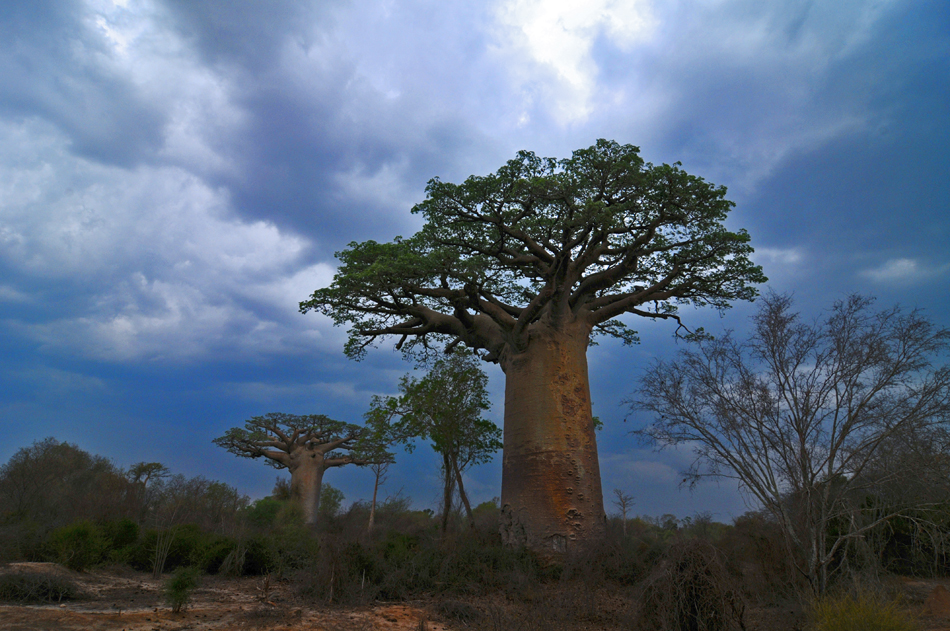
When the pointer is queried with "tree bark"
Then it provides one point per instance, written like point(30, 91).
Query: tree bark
point(463, 496)
point(551, 498)
point(448, 489)
point(372, 508)
point(306, 480)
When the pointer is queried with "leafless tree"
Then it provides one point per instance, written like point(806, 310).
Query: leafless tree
point(379, 470)
point(624, 502)
point(802, 415)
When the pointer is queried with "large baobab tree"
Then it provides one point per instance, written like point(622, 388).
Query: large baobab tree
point(304, 445)
point(527, 265)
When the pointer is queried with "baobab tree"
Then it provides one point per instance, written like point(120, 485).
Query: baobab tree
point(304, 445)
point(526, 266)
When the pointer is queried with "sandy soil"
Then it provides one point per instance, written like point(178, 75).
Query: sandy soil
point(131, 601)
point(122, 600)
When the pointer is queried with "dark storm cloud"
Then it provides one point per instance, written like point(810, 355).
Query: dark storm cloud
point(50, 67)
point(250, 33)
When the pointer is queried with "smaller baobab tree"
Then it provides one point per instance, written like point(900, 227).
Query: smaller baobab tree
point(304, 445)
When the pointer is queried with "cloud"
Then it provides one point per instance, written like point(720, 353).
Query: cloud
point(49, 380)
point(165, 269)
point(247, 32)
point(282, 392)
point(904, 270)
point(557, 38)
point(639, 466)
point(57, 63)
point(779, 256)
point(11, 294)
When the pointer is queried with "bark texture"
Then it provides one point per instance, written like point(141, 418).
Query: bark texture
point(551, 496)
point(306, 480)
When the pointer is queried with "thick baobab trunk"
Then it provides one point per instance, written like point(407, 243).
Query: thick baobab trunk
point(306, 480)
point(550, 491)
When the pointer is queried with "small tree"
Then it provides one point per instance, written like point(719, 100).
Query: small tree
point(801, 414)
point(379, 470)
point(624, 502)
point(304, 445)
point(445, 407)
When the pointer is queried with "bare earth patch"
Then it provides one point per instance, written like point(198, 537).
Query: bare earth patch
point(123, 600)
point(132, 601)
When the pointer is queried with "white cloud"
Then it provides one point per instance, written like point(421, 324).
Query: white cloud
point(639, 466)
point(56, 381)
point(170, 272)
point(196, 101)
point(904, 270)
point(779, 256)
point(558, 35)
point(11, 294)
point(385, 187)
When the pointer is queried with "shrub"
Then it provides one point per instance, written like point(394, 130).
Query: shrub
point(263, 513)
point(180, 587)
point(690, 590)
point(36, 587)
point(78, 546)
point(120, 533)
point(185, 545)
point(863, 612)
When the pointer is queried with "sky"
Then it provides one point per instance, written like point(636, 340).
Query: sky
point(176, 176)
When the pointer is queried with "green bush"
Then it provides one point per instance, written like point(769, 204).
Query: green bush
point(263, 513)
point(36, 587)
point(260, 556)
point(863, 612)
point(190, 546)
point(119, 533)
point(180, 587)
point(78, 546)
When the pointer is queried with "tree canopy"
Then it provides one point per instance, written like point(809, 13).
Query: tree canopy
point(591, 237)
point(444, 407)
point(276, 435)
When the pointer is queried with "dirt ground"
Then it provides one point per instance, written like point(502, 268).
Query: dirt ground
point(131, 601)
point(122, 600)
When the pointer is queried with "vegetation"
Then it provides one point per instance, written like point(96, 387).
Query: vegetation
point(306, 446)
point(444, 407)
point(811, 419)
point(180, 587)
point(883, 507)
point(658, 573)
point(36, 588)
point(527, 265)
point(863, 612)
point(691, 589)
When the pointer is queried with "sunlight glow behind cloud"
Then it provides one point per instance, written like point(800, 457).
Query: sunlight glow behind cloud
point(560, 34)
